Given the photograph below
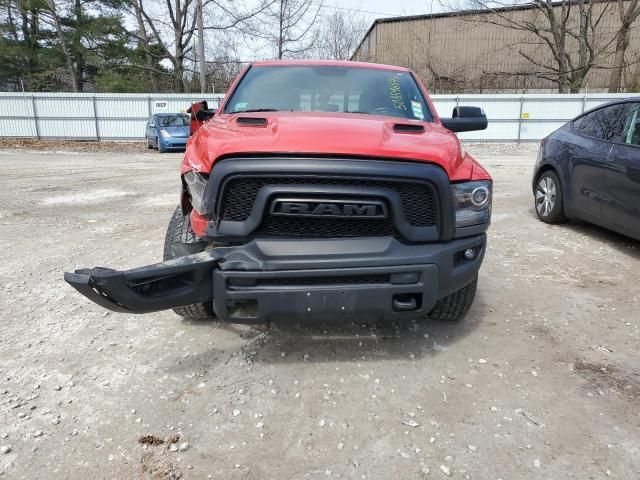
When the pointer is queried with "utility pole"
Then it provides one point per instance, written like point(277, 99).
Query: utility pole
point(203, 73)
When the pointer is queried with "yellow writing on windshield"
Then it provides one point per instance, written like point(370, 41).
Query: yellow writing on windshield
point(395, 93)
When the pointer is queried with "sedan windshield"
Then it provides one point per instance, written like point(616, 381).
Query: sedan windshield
point(329, 89)
point(173, 120)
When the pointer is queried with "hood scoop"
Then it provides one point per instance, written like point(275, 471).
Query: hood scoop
point(408, 128)
point(252, 121)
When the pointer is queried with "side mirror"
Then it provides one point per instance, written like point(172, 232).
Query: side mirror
point(466, 119)
point(199, 114)
point(203, 115)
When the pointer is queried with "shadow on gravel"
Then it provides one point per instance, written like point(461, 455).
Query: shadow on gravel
point(363, 342)
point(622, 243)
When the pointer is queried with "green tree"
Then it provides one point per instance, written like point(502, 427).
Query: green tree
point(28, 63)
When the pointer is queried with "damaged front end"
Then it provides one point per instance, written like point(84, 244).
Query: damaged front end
point(286, 280)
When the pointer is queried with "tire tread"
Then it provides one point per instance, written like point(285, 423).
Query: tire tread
point(180, 231)
point(455, 306)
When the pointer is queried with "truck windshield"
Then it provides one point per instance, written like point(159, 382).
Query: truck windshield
point(173, 120)
point(329, 89)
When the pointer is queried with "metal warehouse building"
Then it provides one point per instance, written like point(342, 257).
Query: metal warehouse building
point(473, 51)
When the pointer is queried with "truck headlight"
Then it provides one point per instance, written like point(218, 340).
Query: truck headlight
point(165, 134)
point(472, 201)
point(196, 184)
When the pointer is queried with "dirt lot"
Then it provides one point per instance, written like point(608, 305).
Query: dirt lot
point(541, 381)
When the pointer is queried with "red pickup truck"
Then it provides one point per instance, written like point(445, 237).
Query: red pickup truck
point(318, 190)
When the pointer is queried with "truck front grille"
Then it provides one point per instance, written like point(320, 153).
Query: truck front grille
point(326, 227)
point(417, 202)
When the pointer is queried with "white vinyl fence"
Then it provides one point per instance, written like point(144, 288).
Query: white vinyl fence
point(111, 116)
point(86, 116)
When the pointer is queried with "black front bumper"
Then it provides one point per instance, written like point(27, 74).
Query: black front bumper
point(273, 279)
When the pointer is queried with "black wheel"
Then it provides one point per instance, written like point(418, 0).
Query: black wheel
point(149, 144)
point(455, 306)
point(181, 241)
point(549, 203)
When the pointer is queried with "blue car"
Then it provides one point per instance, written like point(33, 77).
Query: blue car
point(589, 169)
point(167, 131)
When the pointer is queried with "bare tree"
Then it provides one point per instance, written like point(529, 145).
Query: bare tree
point(223, 70)
point(173, 27)
point(144, 44)
point(627, 16)
point(289, 26)
point(566, 32)
point(338, 36)
point(201, 59)
point(176, 44)
point(224, 55)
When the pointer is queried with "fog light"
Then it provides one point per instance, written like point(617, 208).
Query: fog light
point(469, 254)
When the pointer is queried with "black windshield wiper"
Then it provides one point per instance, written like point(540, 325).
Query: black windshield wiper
point(256, 110)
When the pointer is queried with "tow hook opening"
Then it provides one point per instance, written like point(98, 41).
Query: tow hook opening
point(246, 308)
point(406, 302)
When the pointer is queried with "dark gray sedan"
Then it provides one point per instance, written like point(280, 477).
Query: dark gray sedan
point(589, 169)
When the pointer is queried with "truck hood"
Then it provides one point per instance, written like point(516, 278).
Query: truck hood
point(326, 134)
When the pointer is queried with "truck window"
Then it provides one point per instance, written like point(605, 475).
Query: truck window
point(329, 89)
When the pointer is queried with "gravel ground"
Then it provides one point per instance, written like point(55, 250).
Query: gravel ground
point(540, 381)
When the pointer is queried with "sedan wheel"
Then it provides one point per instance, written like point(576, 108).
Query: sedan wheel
point(545, 196)
point(548, 198)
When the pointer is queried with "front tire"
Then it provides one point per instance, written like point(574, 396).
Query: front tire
point(455, 306)
point(549, 202)
point(180, 241)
